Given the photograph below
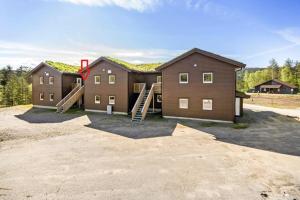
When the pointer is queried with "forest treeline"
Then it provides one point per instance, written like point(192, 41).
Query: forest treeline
point(14, 86)
point(289, 72)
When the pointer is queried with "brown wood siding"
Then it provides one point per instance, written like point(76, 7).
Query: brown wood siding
point(68, 81)
point(104, 89)
point(221, 91)
point(45, 88)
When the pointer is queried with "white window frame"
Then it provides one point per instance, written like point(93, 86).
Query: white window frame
point(51, 82)
point(42, 96)
point(95, 79)
point(41, 80)
point(97, 101)
point(157, 99)
point(187, 78)
point(51, 99)
point(181, 101)
point(111, 102)
point(158, 79)
point(208, 73)
point(207, 108)
point(109, 81)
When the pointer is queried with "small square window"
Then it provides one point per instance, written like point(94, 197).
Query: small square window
point(111, 100)
point(183, 103)
point(158, 79)
point(183, 78)
point(51, 80)
point(208, 77)
point(97, 80)
point(42, 96)
point(207, 104)
point(97, 99)
point(159, 98)
point(111, 79)
point(41, 80)
point(51, 97)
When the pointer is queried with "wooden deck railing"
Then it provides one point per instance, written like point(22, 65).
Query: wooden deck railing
point(157, 88)
point(148, 101)
point(75, 97)
point(138, 101)
point(59, 104)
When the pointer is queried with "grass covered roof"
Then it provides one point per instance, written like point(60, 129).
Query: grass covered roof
point(148, 67)
point(62, 67)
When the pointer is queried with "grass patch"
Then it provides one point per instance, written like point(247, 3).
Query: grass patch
point(240, 125)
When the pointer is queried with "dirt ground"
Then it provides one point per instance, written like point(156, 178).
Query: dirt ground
point(79, 155)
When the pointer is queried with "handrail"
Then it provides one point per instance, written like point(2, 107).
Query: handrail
point(72, 99)
point(138, 101)
point(59, 104)
point(148, 101)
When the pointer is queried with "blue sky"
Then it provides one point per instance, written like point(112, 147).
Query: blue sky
point(252, 31)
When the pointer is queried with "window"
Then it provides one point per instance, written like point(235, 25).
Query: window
point(159, 98)
point(183, 78)
point(41, 96)
point(97, 99)
point(207, 104)
point(158, 79)
point(51, 80)
point(208, 77)
point(111, 100)
point(97, 80)
point(41, 80)
point(184, 103)
point(111, 79)
point(51, 97)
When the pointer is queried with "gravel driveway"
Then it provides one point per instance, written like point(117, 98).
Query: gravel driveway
point(79, 155)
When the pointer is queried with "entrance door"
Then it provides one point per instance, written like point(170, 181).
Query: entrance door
point(79, 81)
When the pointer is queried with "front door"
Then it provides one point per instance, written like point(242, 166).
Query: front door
point(78, 81)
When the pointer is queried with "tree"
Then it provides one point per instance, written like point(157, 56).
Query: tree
point(274, 67)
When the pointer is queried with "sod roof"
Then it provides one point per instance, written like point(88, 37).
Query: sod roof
point(149, 67)
point(62, 67)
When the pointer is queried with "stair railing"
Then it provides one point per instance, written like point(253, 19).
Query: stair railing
point(72, 99)
point(59, 104)
point(148, 101)
point(138, 101)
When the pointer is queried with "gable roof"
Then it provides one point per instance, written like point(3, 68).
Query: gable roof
point(58, 66)
point(150, 67)
point(206, 53)
point(278, 81)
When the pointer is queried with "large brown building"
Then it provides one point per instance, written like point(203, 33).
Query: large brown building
point(195, 85)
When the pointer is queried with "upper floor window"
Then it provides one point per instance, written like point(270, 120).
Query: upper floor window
point(111, 79)
point(41, 80)
point(111, 100)
point(41, 96)
point(207, 104)
point(51, 97)
point(208, 77)
point(51, 80)
point(97, 99)
point(158, 79)
point(97, 80)
point(183, 78)
point(183, 103)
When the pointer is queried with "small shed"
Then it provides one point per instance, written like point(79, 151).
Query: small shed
point(275, 86)
point(239, 97)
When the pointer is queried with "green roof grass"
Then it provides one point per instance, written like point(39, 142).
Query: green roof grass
point(62, 67)
point(148, 67)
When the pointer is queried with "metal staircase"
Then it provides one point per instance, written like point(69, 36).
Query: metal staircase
point(68, 101)
point(139, 115)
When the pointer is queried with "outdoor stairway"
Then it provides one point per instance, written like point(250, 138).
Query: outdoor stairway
point(138, 116)
point(68, 101)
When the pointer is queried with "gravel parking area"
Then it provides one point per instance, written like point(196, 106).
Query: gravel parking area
point(80, 155)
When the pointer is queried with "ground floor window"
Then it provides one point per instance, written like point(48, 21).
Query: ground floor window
point(97, 99)
point(207, 104)
point(159, 98)
point(183, 103)
point(51, 97)
point(41, 96)
point(111, 100)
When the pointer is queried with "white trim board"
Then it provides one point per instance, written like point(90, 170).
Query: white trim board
point(104, 111)
point(198, 119)
point(47, 107)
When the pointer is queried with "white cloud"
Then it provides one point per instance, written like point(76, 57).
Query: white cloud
point(139, 5)
point(290, 34)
